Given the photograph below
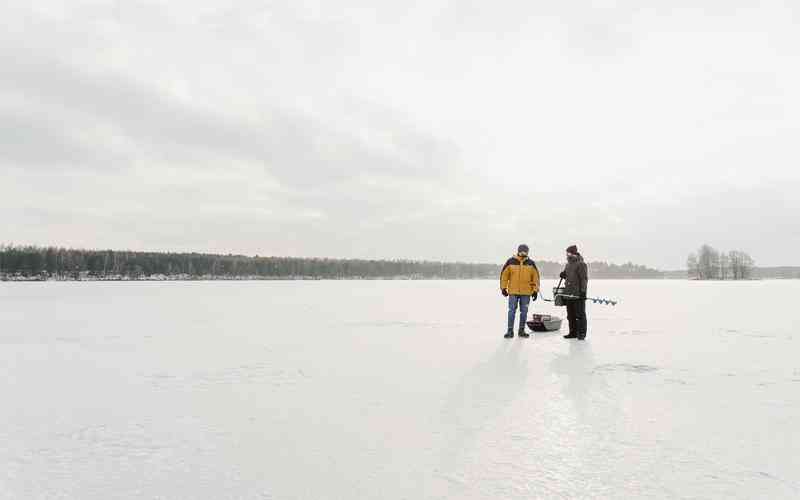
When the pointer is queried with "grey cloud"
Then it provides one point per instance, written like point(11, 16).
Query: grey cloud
point(22, 137)
point(292, 147)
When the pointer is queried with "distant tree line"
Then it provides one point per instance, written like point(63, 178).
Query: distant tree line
point(33, 262)
point(602, 270)
point(63, 263)
point(780, 272)
point(710, 264)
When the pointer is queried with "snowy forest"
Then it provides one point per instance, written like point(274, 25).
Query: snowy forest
point(53, 263)
point(710, 264)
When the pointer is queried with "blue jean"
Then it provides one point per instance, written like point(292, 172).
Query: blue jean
point(523, 301)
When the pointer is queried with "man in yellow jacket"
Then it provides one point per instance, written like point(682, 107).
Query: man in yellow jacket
point(519, 281)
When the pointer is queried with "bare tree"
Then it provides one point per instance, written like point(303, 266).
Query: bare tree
point(735, 259)
point(707, 263)
point(746, 266)
point(724, 266)
point(741, 264)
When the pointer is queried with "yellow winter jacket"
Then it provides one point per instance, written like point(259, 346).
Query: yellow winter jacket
point(520, 276)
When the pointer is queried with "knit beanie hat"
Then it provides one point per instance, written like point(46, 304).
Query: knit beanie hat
point(573, 249)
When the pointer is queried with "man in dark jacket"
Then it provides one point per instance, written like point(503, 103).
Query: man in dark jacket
point(576, 280)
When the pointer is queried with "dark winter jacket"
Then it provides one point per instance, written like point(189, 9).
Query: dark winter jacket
point(577, 279)
point(520, 276)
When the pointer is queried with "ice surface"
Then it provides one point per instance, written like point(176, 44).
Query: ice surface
point(395, 389)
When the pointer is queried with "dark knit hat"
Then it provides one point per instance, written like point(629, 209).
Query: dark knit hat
point(523, 248)
point(573, 249)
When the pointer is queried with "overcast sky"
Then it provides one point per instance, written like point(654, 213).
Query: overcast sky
point(447, 130)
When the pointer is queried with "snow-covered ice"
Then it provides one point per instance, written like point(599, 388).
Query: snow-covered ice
point(395, 390)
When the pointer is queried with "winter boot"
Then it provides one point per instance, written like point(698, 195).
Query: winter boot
point(522, 333)
point(509, 334)
point(571, 336)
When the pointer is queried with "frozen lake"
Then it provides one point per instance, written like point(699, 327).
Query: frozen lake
point(395, 390)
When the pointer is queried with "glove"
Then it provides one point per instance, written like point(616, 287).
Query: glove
point(582, 295)
point(534, 296)
point(563, 275)
point(504, 291)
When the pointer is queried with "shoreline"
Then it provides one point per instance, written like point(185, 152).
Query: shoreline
point(161, 278)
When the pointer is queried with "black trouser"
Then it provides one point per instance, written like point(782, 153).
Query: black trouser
point(576, 314)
